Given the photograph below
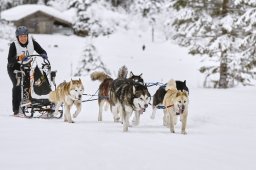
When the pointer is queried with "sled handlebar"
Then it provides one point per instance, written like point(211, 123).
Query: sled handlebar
point(46, 61)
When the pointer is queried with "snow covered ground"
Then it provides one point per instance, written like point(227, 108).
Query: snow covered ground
point(221, 123)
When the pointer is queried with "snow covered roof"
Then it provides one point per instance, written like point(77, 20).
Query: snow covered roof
point(22, 11)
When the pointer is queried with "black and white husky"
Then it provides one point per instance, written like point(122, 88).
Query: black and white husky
point(160, 93)
point(127, 96)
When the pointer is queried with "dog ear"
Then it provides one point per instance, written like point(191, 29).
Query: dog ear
point(71, 82)
point(131, 74)
point(178, 93)
point(80, 80)
point(140, 75)
point(186, 93)
point(185, 82)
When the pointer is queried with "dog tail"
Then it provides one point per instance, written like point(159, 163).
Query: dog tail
point(99, 75)
point(171, 85)
point(122, 72)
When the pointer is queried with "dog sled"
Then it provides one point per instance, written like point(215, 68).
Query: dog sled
point(36, 81)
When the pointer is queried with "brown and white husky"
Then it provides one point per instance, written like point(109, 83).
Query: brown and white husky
point(68, 93)
point(176, 104)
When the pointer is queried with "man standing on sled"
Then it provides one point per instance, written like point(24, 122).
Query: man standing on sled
point(23, 46)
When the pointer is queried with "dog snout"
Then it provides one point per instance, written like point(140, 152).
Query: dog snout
point(182, 108)
point(79, 96)
point(146, 105)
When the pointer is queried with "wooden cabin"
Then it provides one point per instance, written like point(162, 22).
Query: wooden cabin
point(39, 19)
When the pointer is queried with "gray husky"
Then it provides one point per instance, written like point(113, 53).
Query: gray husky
point(127, 96)
point(104, 88)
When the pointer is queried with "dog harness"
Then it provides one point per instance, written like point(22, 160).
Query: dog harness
point(163, 107)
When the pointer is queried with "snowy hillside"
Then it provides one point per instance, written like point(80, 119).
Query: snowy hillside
point(221, 123)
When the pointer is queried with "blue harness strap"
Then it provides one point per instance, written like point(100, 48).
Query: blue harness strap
point(160, 107)
point(163, 107)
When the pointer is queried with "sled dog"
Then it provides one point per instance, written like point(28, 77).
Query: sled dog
point(136, 78)
point(160, 93)
point(176, 104)
point(104, 88)
point(127, 96)
point(68, 93)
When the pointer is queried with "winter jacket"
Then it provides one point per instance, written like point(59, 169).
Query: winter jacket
point(12, 56)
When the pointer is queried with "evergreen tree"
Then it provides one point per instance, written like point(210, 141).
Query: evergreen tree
point(148, 10)
point(91, 22)
point(209, 28)
point(90, 61)
point(6, 30)
point(121, 3)
point(247, 23)
point(61, 5)
point(6, 4)
point(31, 1)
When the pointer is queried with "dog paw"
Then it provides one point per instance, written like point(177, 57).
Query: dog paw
point(75, 114)
point(184, 132)
point(172, 131)
point(152, 117)
point(135, 123)
point(116, 119)
point(125, 129)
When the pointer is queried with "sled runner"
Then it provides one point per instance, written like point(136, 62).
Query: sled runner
point(36, 81)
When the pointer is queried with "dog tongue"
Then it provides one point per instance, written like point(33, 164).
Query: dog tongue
point(141, 111)
point(181, 111)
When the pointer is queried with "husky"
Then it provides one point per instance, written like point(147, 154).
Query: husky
point(68, 93)
point(104, 88)
point(127, 96)
point(176, 104)
point(160, 93)
point(137, 78)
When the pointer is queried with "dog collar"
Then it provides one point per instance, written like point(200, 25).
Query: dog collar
point(169, 106)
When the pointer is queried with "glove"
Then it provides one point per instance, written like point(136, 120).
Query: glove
point(25, 59)
point(44, 56)
point(21, 57)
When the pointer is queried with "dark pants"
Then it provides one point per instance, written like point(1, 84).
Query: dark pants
point(16, 91)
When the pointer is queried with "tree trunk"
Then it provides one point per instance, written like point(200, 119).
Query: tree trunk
point(225, 7)
point(223, 82)
point(153, 34)
point(115, 3)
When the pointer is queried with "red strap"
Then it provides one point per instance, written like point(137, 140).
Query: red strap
point(169, 106)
